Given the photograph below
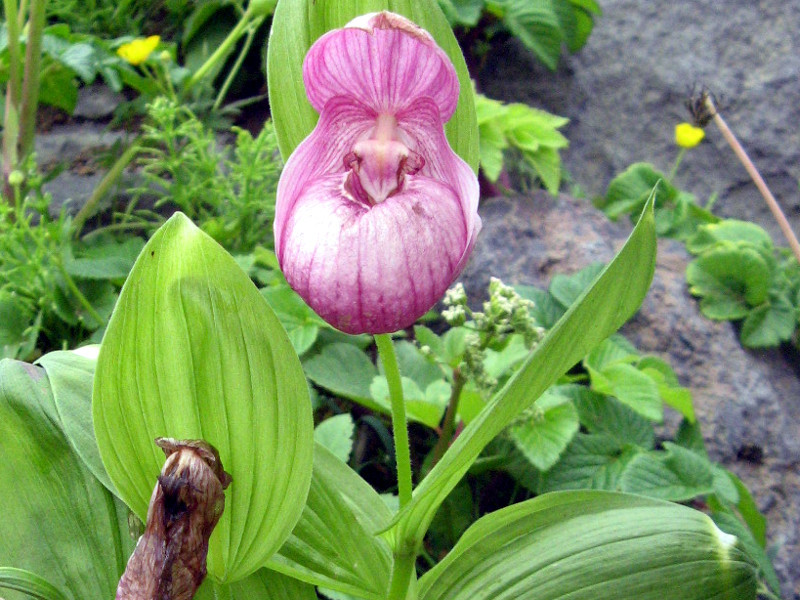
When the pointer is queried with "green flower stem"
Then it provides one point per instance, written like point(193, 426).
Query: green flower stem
point(222, 592)
point(102, 188)
point(449, 425)
point(678, 160)
point(30, 83)
point(751, 169)
point(222, 51)
point(402, 572)
point(400, 428)
point(251, 33)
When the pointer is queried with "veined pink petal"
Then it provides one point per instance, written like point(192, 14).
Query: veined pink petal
point(385, 65)
point(320, 154)
point(375, 214)
point(374, 269)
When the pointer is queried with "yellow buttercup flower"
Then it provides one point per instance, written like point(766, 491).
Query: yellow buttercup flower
point(688, 136)
point(137, 51)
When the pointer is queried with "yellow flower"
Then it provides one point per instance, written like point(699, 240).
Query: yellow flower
point(688, 136)
point(137, 51)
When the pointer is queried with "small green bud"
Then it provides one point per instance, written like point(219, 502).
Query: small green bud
point(15, 178)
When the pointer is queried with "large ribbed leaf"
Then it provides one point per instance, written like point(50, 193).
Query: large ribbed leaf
point(611, 300)
point(194, 351)
point(58, 521)
point(71, 374)
point(261, 585)
point(590, 545)
point(334, 545)
point(297, 25)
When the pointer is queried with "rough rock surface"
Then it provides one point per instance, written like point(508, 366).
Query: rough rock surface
point(624, 93)
point(747, 401)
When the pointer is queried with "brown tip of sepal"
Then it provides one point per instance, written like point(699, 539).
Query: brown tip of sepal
point(169, 562)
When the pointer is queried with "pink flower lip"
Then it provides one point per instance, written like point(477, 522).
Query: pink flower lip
point(376, 215)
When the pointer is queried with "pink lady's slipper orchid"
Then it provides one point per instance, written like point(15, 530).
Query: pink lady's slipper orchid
point(376, 215)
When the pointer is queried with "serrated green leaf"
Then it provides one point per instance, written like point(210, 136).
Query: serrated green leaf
point(15, 318)
point(108, 261)
point(547, 310)
point(295, 27)
point(588, 545)
point(462, 12)
point(344, 370)
point(769, 324)
point(603, 414)
point(333, 544)
point(301, 323)
point(677, 474)
point(568, 288)
point(543, 437)
point(193, 351)
point(729, 230)
point(631, 387)
point(60, 521)
point(547, 164)
point(591, 461)
point(613, 350)
point(420, 407)
point(535, 24)
point(730, 279)
point(336, 434)
point(670, 390)
point(628, 191)
point(602, 309)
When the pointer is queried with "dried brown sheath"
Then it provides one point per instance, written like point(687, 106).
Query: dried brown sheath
point(169, 562)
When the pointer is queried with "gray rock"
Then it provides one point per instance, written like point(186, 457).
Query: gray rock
point(96, 102)
point(65, 144)
point(746, 401)
point(624, 94)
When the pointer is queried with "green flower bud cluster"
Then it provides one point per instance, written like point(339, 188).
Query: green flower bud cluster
point(504, 314)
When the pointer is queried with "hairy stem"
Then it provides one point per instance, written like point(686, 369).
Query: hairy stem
point(402, 450)
point(783, 223)
point(402, 572)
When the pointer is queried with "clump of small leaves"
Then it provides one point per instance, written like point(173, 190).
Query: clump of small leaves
point(530, 132)
point(54, 291)
point(543, 27)
point(230, 193)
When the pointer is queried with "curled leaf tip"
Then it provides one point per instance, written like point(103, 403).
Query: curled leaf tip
point(169, 562)
point(375, 214)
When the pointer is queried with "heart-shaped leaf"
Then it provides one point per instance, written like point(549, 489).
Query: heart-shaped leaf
point(193, 351)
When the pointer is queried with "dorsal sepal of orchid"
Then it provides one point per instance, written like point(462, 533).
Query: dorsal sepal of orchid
point(376, 215)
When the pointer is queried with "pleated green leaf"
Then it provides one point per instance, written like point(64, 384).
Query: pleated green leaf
point(71, 375)
point(58, 521)
point(296, 26)
point(597, 313)
point(334, 545)
point(261, 585)
point(590, 545)
point(193, 351)
point(28, 583)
